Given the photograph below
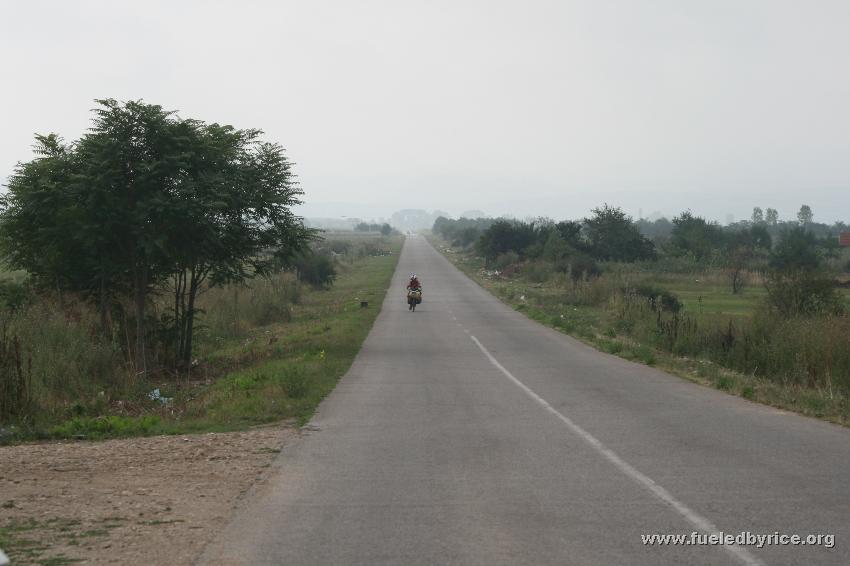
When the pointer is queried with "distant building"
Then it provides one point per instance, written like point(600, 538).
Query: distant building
point(844, 239)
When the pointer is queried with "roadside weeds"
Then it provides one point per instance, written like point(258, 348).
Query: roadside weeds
point(586, 324)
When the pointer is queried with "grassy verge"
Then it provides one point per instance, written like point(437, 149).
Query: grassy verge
point(600, 323)
point(267, 352)
point(303, 359)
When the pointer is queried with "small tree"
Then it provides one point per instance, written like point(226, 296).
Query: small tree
point(611, 235)
point(556, 248)
point(771, 216)
point(694, 235)
point(570, 232)
point(758, 215)
point(318, 269)
point(504, 236)
point(805, 216)
point(742, 252)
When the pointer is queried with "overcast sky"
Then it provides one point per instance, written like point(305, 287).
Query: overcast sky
point(521, 107)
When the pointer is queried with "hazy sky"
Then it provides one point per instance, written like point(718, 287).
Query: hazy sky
point(521, 107)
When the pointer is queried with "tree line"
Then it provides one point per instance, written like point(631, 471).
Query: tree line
point(794, 262)
point(385, 229)
point(660, 229)
point(147, 203)
point(608, 234)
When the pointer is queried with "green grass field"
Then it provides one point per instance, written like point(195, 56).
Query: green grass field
point(710, 298)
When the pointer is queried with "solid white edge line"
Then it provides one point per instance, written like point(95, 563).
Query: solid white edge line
point(698, 521)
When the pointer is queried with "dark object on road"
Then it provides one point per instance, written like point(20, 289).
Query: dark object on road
point(364, 304)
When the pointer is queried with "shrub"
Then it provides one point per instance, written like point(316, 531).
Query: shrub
point(659, 299)
point(317, 269)
point(14, 294)
point(506, 236)
point(579, 266)
point(797, 283)
point(645, 354)
point(506, 259)
point(802, 294)
point(538, 271)
point(295, 385)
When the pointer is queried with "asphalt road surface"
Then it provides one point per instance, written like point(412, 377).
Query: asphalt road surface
point(466, 434)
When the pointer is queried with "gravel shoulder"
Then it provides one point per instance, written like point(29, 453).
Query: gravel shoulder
point(155, 500)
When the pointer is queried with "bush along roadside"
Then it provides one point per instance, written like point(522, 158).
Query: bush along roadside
point(800, 363)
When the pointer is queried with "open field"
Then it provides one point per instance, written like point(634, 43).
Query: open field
point(711, 297)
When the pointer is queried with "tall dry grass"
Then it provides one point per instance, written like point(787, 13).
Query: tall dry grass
point(808, 351)
point(56, 363)
point(66, 358)
point(230, 311)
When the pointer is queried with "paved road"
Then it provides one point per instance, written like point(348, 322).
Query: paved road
point(466, 434)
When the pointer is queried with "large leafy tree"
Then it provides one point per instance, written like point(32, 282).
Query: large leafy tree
point(230, 216)
point(146, 198)
point(133, 160)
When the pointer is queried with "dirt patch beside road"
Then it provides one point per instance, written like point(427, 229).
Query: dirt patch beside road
point(155, 500)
